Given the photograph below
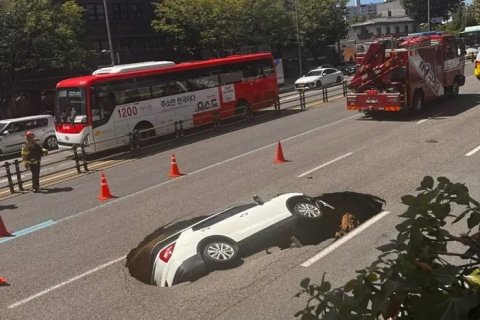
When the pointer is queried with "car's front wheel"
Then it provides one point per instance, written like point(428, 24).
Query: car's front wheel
point(307, 210)
point(51, 143)
point(220, 252)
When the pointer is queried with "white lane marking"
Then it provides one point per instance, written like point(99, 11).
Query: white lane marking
point(64, 283)
point(344, 239)
point(472, 152)
point(324, 165)
point(429, 118)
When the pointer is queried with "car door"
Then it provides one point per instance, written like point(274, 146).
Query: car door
point(330, 73)
point(260, 218)
point(40, 129)
point(13, 137)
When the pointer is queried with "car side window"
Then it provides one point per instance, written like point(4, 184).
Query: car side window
point(15, 127)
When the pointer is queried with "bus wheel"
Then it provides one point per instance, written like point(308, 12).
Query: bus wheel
point(146, 132)
point(417, 103)
point(243, 109)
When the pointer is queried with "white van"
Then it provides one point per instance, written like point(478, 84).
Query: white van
point(12, 132)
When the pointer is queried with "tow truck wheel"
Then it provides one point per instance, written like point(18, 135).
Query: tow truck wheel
point(417, 103)
point(454, 89)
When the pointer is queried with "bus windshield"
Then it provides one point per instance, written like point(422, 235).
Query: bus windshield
point(71, 107)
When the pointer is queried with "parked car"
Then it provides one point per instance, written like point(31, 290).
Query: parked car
point(471, 53)
point(12, 132)
point(318, 78)
point(347, 68)
point(217, 240)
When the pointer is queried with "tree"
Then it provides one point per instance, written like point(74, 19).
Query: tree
point(461, 18)
point(38, 36)
point(419, 275)
point(322, 22)
point(222, 26)
point(417, 9)
point(475, 11)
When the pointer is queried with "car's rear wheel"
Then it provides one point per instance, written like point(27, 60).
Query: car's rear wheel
point(307, 210)
point(51, 143)
point(339, 79)
point(220, 252)
point(318, 84)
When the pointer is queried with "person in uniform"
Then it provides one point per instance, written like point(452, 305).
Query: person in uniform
point(32, 153)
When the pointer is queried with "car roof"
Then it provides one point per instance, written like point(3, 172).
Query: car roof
point(26, 118)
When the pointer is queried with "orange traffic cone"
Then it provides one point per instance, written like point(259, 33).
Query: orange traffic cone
point(3, 230)
point(174, 172)
point(104, 190)
point(3, 282)
point(279, 158)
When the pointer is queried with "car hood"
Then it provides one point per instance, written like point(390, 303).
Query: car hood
point(308, 79)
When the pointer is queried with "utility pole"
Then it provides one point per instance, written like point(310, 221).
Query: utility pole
point(112, 55)
point(299, 43)
point(428, 14)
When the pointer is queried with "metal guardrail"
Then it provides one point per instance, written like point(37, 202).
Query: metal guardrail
point(135, 141)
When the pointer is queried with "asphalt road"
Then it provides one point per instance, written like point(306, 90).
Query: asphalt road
point(72, 267)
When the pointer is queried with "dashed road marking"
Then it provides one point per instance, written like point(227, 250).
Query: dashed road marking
point(364, 226)
point(325, 164)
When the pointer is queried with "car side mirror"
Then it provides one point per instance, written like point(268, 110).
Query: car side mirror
point(258, 200)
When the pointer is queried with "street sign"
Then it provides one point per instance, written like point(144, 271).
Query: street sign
point(436, 20)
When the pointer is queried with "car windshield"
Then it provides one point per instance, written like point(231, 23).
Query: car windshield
point(3, 125)
point(71, 107)
point(314, 73)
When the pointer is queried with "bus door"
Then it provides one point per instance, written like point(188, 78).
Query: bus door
point(104, 115)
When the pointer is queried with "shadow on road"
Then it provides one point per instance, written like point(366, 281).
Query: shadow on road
point(55, 190)
point(436, 110)
point(298, 232)
point(10, 207)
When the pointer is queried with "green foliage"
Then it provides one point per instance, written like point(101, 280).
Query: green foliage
point(416, 276)
point(36, 36)
point(417, 9)
point(475, 12)
point(322, 22)
point(222, 25)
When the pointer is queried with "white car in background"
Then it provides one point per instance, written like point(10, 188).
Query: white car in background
point(176, 256)
point(318, 78)
point(12, 132)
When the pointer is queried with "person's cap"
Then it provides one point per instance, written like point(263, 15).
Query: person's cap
point(29, 134)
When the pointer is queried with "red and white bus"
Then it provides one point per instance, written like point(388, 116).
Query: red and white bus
point(100, 110)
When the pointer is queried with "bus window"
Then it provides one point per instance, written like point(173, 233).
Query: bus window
point(231, 76)
point(268, 68)
point(143, 87)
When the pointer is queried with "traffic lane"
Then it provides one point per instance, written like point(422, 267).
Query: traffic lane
point(256, 188)
point(340, 265)
point(337, 138)
point(80, 195)
point(170, 193)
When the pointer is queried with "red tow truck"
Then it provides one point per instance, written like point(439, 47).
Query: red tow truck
point(401, 74)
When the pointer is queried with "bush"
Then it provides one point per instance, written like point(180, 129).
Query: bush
point(416, 276)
